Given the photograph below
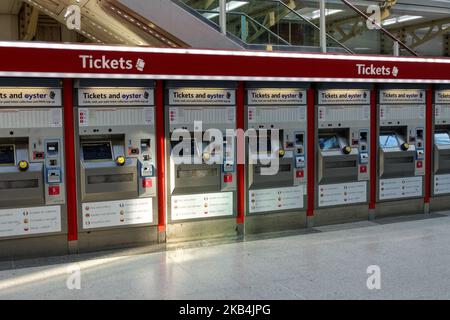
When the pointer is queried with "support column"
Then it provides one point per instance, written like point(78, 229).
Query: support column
point(160, 158)
point(311, 152)
point(71, 181)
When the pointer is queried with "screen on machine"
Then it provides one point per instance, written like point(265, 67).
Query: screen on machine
point(329, 142)
point(442, 138)
point(389, 140)
point(97, 151)
point(7, 155)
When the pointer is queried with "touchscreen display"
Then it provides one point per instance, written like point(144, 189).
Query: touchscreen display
point(329, 142)
point(97, 151)
point(7, 155)
point(389, 140)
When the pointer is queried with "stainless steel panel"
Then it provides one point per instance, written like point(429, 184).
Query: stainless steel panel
point(109, 183)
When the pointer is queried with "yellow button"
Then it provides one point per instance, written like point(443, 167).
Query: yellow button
point(281, 152)
point(347, 149)
point(23, 165)
point(120, 160)
point(405, 146)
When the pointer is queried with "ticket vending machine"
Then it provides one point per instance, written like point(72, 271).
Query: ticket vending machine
point(32, 183)
point(201, 168)
point(401, 150)
point(116, 171)
point(342, 154)
point(277, 140)
point(440, 164)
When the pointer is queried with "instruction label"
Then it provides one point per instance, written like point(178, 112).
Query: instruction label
point(199, 206)
point(28, 221)
point(117, 213)
point(342, 193)
point(442, 183)
point(277, 199)
point(398, 188)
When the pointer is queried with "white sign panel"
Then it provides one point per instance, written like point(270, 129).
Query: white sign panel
point(24, 97)
point(276, 96)
point(342, 193)
point(276, 199)
point(442, 96)
point(115, 97)
point(403, 96)
point(285, 114)
point(187, 115)
point(194, 96)
point(115, 116)
point(30, 118)
point(117, 213)
point(202, 205)
point(344, 96)
point(398, 188)
point(442, 183)
point(28, 221)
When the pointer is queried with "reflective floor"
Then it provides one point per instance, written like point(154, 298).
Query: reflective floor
point(413, 254)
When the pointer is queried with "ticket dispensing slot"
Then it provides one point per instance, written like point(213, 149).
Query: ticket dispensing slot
point(441, 150)
point(283, 148)
point(20, 179)
point(193, 175)
point(397, 156)
point(338, 161)
point(106, 171)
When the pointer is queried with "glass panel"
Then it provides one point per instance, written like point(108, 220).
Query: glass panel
point(442, 138)
point(389, 140)
point(329, 142)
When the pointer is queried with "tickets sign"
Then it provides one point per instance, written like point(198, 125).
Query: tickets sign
point(276, 96)
point(115, 97)
point(344, 96)
point(194, 96)
point(36, 97)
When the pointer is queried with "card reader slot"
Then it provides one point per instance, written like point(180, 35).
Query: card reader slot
point(197, 173)
point(19, 184)
point(110, 178)
point(340, 164)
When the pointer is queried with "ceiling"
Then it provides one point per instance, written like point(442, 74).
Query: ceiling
point(9, 6)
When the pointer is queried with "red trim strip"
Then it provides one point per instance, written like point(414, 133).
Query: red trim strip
point(160, 155)
point(240, 122)
point(88, 61)
point(373, 149)
point(69, 147)
point(428, 147)
point(311, 153)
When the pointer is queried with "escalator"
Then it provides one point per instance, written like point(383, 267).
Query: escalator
point(288, 25)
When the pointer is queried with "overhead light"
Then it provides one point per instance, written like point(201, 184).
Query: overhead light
point(316, 13)
point(400, 19)
point(232, 5)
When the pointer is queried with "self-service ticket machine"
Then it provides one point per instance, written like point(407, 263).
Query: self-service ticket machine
point(32, 182)
point(401, 150)
point(276, 156)
point(342, 154)
point(116, 170)
point(440, 164)
point(201, 175)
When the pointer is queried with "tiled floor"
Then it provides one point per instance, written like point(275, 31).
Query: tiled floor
point(413, 255)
